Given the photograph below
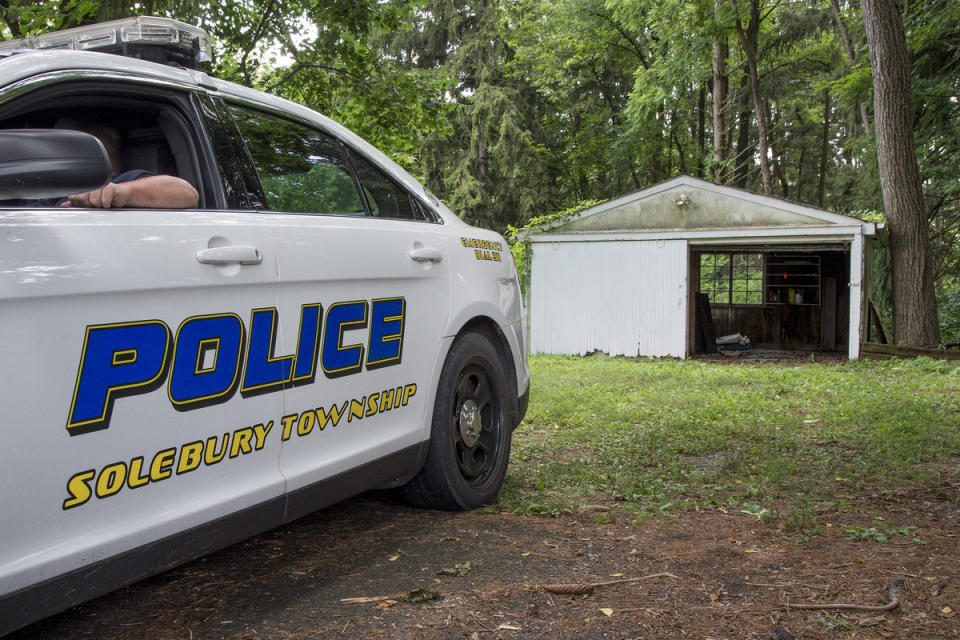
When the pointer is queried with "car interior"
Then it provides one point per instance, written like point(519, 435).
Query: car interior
point(153, 135)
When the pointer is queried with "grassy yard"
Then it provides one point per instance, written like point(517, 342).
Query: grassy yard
point(776, 440)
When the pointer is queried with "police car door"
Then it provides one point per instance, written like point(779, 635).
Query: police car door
point(363, 270)
point(134, 352)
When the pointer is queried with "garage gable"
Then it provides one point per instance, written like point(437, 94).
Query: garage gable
point(687, 203)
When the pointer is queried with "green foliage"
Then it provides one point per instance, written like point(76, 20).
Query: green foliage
point(835, 623)
point(580, 59)
point(520, 246)
point(732, 278)
point(949, 306)
point(662, 108)
point(321, 54)
point(762, 441)
point(321, 185)
point(801, 523)
point(509, 109)
point(877, 533)
point(499, 177)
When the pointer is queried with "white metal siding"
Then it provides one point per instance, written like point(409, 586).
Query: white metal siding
point(623, 298)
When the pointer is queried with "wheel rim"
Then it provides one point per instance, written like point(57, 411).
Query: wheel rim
point(476, 420)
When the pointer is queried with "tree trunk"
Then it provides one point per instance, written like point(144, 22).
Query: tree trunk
point(701, 128)
point(914, 303)
point(681, 155)
point(720, 87)
point(656, 161)
point(777, 157)
point(741, 169)
point(10, 18)
point(851, 56)
point(802, 174)
point(749, 40)
point(824, 150)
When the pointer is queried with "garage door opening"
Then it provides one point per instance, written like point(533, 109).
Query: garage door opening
point(780, 298)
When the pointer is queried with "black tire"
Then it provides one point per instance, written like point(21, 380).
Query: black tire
point(470, 433)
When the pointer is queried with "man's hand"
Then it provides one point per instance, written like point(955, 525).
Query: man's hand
point(107, 197)
point(152, 192)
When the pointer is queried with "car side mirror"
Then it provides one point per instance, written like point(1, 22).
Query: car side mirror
point(50, 163)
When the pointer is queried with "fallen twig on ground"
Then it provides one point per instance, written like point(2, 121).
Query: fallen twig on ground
point(583, 588)
point(417, 595)
point(896, 598)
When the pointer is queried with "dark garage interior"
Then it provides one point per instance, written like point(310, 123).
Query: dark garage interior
point(784, 298)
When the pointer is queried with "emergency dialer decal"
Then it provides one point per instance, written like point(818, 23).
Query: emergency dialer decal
point(212, 355)
point(484, 249)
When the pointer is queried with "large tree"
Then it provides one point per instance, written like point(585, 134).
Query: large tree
point(317, 52)
point(516, 108)
point(486, 163)
point(914, 301)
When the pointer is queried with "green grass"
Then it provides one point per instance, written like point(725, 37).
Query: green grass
point(656, 436)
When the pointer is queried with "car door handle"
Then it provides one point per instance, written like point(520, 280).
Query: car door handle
point(425, 254)
point(230, 255)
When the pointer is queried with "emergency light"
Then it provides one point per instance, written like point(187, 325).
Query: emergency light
point(162, 40)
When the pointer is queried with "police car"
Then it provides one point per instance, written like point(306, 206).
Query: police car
point(176, 380)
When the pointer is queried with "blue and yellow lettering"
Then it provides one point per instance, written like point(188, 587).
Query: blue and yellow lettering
point(356, 409)
point(386, 400)
point(78, 488)
point(260, 434)
point(385, 346)
point(207, 349)
point(214, 355)
point(187, 457)
point(287, 422)
point(305, 424)
point(111, 479)
point(193, 381)
point(191, 455)
point(339, 360)
point(161, 463)
point(117, 359)
point(372, 404)
point(333, 416)
point(263, 372)
point(210, 453)
point(134, 479)
point(127, 356)
point(308, 344)
point(240, 443)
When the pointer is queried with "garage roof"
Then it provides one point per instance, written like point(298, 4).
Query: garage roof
point(691, 204)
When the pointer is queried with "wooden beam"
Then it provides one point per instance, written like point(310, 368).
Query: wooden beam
point(883, 351)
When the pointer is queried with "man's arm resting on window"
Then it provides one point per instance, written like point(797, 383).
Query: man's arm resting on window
point(152, 192)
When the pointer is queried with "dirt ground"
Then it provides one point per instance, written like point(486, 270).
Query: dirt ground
point(478, 576)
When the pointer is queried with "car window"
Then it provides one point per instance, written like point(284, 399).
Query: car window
point(386, 199)
point(146, 128)
point(302, 170)
point(241, 184)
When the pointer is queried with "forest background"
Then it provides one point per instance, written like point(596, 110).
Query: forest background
point(511, 110)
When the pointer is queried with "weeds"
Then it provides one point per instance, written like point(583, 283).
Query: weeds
point(836, 623)
point(801, 523)
point(876, 533)
point(655, 436)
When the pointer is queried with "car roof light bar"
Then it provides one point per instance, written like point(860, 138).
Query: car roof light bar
point(161, 40)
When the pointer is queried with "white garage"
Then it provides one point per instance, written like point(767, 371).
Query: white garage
point(628, 276)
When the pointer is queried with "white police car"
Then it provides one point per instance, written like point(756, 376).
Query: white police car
point(176, 380)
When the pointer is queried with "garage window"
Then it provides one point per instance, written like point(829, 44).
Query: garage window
point(732, 278)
